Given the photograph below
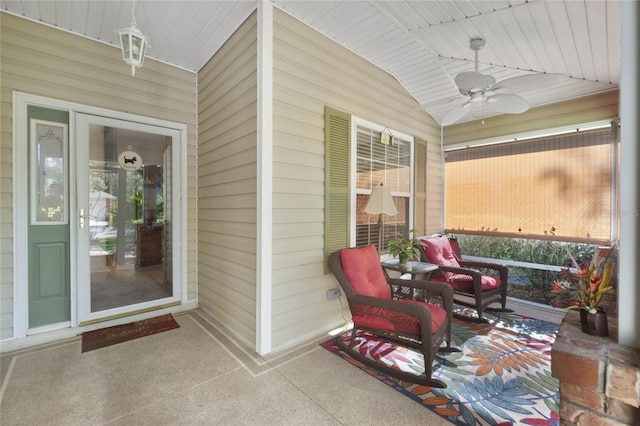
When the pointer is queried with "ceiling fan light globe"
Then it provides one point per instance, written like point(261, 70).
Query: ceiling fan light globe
point(476, 97)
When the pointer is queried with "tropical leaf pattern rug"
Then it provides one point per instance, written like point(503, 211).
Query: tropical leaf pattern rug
point(501, 377)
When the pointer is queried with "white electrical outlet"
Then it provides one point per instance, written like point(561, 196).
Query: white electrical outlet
point(333, 294)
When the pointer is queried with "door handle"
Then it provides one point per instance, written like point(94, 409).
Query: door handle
point(83, 217)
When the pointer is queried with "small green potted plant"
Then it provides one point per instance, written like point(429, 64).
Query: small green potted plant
point(405, 248)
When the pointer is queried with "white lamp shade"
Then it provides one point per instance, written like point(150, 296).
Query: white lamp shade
point(381, 201)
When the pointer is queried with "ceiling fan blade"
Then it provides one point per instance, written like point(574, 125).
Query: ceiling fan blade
point(507, 103)
point(529, 82)
point(456, 114)
point(469, 82)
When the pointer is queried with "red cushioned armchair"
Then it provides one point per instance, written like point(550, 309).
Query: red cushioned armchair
point(484, 282)
point(413, 313)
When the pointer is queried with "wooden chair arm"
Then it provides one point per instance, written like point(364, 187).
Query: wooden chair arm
point(502, 270)
point(486, 265)
point(464, 271)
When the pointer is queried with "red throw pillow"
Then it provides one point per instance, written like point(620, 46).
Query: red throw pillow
point(362, 268)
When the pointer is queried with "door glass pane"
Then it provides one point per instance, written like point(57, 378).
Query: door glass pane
point(128, 229)
point(49, 177)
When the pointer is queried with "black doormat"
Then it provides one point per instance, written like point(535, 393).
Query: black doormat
point(121, 333)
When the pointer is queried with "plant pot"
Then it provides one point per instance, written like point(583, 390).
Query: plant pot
point(403, 259)
point(594, 324)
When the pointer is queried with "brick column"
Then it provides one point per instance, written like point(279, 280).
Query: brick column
point(599, 379)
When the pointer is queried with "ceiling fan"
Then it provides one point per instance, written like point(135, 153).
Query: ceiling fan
point(482, 88)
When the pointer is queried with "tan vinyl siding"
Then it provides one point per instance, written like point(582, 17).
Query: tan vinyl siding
point(311, 72)
point(227, 168)
point(603, 106)
point(44, 61)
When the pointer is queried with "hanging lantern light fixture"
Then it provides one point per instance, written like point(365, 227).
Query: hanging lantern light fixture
point(134, 43)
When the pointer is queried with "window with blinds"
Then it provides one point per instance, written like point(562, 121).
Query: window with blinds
point(556, 187)
point(390, 164)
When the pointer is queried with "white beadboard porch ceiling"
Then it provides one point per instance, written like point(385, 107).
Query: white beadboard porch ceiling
point(424, 44)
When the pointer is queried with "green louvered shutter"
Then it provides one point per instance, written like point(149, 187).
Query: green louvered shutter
point(337, 129)
point(420, 187)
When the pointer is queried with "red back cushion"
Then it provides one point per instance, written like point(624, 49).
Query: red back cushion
point(455, 247)
point(362, 268)
point(439, 251)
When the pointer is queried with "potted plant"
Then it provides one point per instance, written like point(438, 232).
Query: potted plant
point(584, 288)
point(405, 248)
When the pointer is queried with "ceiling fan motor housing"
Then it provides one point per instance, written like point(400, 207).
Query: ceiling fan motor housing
point(472, 82)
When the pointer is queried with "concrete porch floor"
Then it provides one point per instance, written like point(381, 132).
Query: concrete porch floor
point(194, 375)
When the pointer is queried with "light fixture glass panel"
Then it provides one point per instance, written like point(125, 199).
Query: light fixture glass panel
point(137, 47)
point(126, 47)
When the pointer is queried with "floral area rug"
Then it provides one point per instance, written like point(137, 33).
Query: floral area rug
point(501, 377)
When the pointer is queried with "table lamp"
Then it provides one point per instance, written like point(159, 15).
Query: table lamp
point(381, 202)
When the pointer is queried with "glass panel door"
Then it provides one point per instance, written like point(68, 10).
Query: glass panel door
point(125, 199)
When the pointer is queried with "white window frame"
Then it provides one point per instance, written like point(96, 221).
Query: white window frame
point(354, 191)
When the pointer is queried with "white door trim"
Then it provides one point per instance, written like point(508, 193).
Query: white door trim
point(20, 201)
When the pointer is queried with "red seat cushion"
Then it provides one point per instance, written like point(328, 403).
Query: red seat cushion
point(362, 268)
point(382, 319)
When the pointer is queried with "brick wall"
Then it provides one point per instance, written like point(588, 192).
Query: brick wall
point(599, 379)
